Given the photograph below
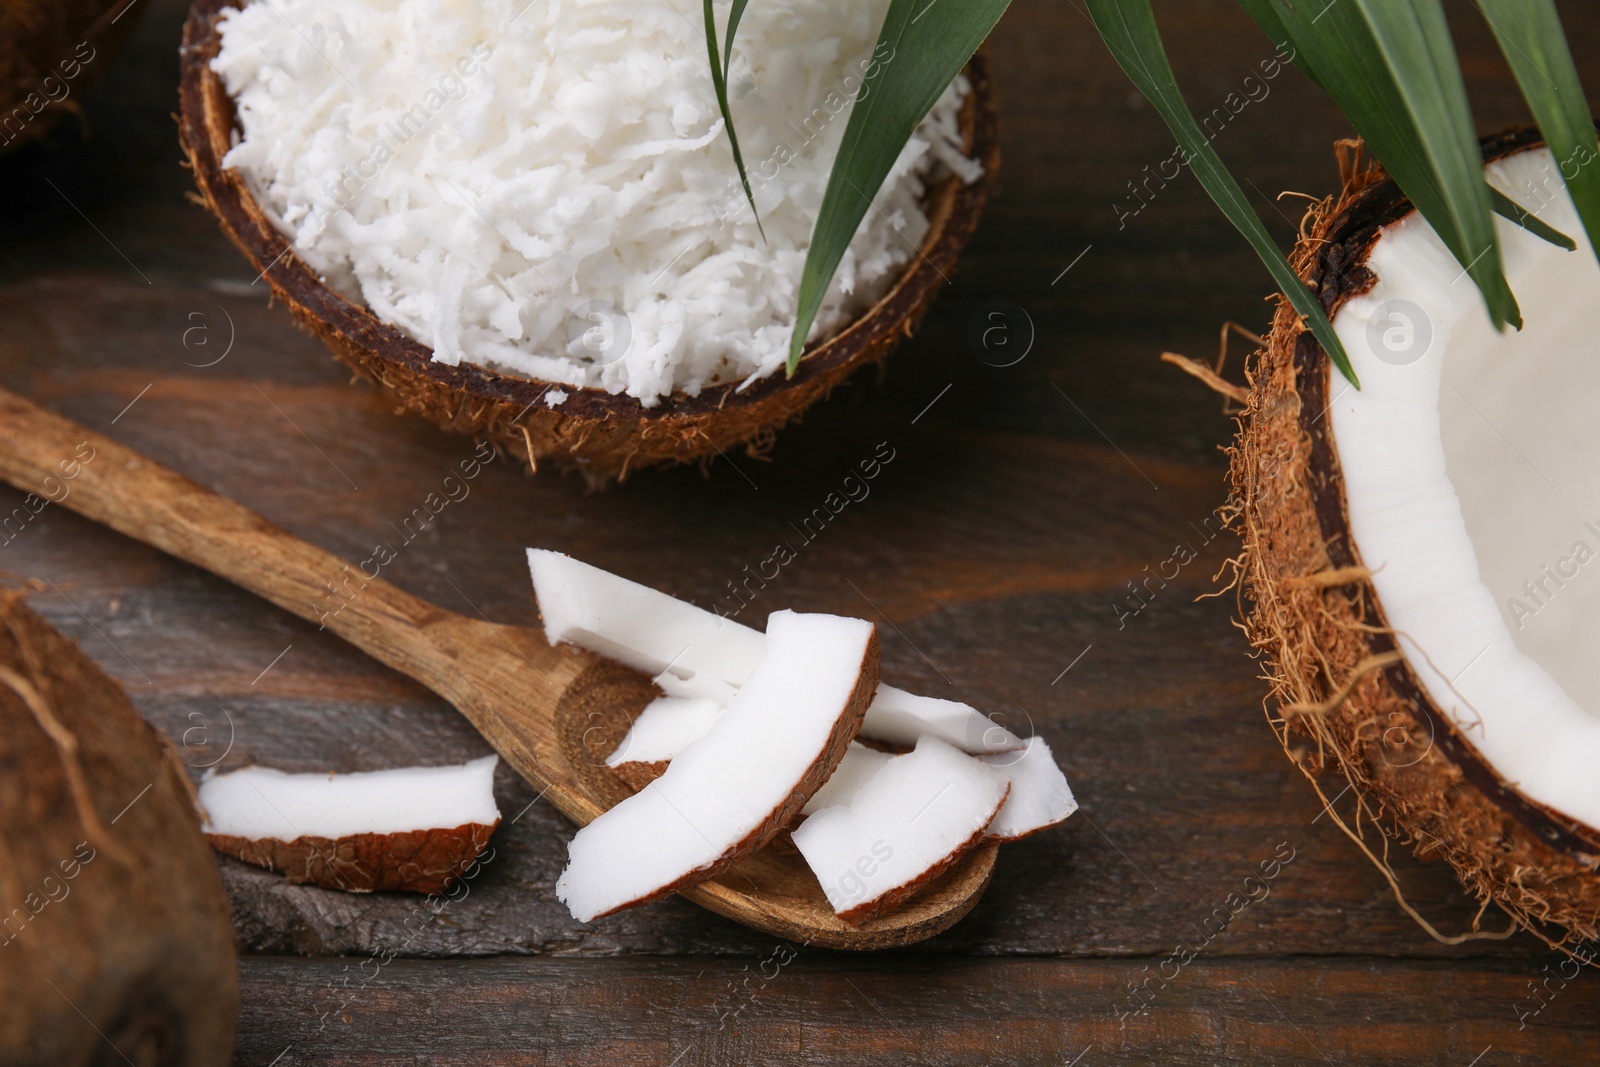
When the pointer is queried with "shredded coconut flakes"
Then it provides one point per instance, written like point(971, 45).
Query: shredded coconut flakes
point(544, 186)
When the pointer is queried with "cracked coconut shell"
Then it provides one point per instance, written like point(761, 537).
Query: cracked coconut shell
point(1344, 697)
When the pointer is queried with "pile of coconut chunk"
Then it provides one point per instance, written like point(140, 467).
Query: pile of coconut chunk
point(757, 734)
point(548, 188)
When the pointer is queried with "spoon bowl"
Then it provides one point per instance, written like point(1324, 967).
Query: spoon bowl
point(553, 713)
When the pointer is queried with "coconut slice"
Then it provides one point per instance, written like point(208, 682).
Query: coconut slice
point(902, 827)
point(729, 793)
point(411, 828)
point(860, 763)
point(697, 687)
point(895, 717)
point(902, 718)
point(638, 626)
point(695, 653)
point(666, 726)
point(1039, 796)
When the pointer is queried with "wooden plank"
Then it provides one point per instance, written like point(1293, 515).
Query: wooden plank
point(794, 1007)
point(1021, 502)
point(998, 543)
point(1157, 720)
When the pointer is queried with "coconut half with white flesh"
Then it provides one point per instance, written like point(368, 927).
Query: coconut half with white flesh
point(409, 828)
point(697, 654)
point(913, 817)
point(1424, 553)
point(729, 793)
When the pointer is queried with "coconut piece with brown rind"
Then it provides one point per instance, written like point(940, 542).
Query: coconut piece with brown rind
point(906, 824)
point(696, 653)
point(412, 861)
point(728, 794)
point(1334, 666)
point(412, 829)
point(1039, 797)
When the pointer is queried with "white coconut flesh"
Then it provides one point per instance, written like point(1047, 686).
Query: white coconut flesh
point(1039, 797)
point(907, 821)
point(666, 726)
point(725, 789)
point(903, 718)
point(1470, 470)
point(696, 687)
point(859, 764)
point(895, 717)
point(261, 803)
point(638, 626)
point(694, 653)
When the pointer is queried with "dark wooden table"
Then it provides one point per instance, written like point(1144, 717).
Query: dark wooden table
point(992, 549)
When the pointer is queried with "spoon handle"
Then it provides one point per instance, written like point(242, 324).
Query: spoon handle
point(507, 680)
point(55, 459)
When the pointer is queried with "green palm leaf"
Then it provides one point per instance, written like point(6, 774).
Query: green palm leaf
point(1529, 32)
point(1388, 64)
point(1508, 208)
point(929, 41)
point(1129, 30)
point(1391, 68)
point(719, 81)
point(735, 13)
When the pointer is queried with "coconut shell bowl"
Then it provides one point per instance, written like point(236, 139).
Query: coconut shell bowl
point(604, 437)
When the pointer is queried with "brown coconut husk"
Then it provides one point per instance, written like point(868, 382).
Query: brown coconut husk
point(114, 927)
point(406, 861)
point(69, 41)
point(602, 436)
point(1344, 699)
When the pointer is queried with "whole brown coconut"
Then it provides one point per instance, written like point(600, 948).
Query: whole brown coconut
point(49, 52)
point(115, 928)
point(604, 437)
point(1338, 678)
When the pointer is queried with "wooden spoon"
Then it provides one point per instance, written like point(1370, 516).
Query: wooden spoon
point(554, 714)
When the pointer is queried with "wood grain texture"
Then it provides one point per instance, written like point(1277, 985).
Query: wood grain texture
point(993, 550)
point(789, 1008)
